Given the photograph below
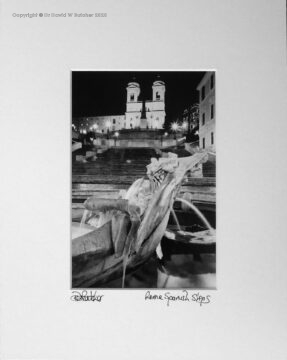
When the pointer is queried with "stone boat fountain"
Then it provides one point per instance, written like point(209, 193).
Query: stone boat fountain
point(119, 235)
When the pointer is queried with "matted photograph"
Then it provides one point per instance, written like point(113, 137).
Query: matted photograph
point(133, 225)
point(143, 201)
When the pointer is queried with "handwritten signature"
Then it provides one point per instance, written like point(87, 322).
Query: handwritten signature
point(185, 296)
point(86, 295)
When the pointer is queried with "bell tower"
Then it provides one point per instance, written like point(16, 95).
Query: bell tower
point(157, 115)
point(158, 90)
point(133, 110)
point(133, 91)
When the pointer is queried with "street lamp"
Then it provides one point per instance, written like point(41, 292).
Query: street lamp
point(184, 125)
point(84, 133)
point(116, 135)
point(174, 128)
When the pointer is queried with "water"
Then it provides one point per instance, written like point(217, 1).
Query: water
point(182, 265)
point(176, 219)
point(78, 230)
point(84, 217)
point(197, 211)
point(125, 262)
point(82, 229)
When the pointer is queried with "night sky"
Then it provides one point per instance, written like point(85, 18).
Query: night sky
point(96, 93)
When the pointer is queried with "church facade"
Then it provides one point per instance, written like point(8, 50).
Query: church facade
point(149, 114)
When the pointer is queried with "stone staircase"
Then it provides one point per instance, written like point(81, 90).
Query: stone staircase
point(112, 171)
point(114, 165)
point(116, 169)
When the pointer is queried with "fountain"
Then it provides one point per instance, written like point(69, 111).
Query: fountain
point(122, 234)
point(187, 258)
point(197, 211)
point(84, 218)
point(176, 220)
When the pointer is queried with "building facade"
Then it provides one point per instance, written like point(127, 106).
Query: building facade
point(149, 114)
point(206, 132)
point(154, 109)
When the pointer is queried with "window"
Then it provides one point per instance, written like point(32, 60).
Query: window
point(212, 81)
point(203, 143)
point(212, 138)
point(202, 93)
point(203, 119)
point(131, 126)
point(132, 97)
point(114, 121)
point(157, 96)
point(212, 111)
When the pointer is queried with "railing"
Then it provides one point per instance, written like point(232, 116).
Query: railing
point(143, 143)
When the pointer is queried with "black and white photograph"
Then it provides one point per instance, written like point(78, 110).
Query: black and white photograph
point(143, 179)
point(143, 197)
